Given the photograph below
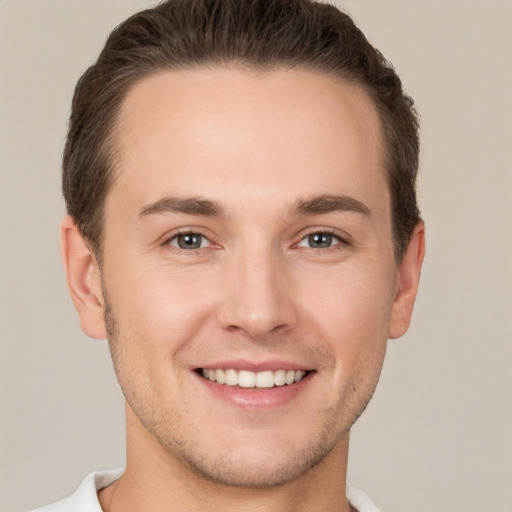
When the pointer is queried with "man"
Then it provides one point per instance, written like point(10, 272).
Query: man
point(242, 226)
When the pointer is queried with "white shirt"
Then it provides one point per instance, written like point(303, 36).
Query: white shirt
point(85, 498)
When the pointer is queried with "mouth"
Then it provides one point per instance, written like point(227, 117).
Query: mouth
point(252, 380)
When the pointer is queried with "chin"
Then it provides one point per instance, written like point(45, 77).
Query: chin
point(248, 473)
point(259, 464)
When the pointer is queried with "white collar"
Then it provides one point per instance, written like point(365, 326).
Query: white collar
point(85, 498)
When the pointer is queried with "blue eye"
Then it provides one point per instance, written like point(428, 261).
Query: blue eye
point(189, 241)
point(319, 240)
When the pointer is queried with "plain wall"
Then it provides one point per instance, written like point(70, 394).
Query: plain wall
point(438, 434)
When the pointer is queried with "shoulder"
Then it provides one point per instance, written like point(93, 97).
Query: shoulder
point(85, 498)
point(360, 501)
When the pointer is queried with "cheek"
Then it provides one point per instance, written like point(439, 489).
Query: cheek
point(159, 308)
point(351, 310)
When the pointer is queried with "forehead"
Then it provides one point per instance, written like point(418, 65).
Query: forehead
point(228, 132)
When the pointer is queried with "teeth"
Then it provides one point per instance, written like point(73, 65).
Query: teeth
point(298, 375)
point(280, 378)
point(247, 379)
point(290, 377)
point(220, 376)
point(265, 379)
point(231, 378)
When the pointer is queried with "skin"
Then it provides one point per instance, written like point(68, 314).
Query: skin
point(256, 145)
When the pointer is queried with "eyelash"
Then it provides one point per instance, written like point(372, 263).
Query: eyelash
point(341, 241)
point(191, 232)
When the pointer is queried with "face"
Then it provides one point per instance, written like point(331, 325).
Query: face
point(248, 270)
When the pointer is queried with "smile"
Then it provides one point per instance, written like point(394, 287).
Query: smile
point(247, 379)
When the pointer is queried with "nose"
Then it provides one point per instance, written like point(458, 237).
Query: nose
point(258, 295)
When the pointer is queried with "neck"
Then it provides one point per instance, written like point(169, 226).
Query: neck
point(156, 480)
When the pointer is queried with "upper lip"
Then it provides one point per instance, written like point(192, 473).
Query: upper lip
point(255, 366)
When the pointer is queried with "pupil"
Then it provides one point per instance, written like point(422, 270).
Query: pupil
point(320, 240)
point(189, 241)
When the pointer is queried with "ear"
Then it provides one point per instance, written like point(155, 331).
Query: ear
point(407, 283)
point(84, 279)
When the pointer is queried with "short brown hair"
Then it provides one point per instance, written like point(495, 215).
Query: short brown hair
point(261, 34)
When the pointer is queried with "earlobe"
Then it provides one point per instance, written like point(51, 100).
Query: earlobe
point(84, 279)
point(407, 285)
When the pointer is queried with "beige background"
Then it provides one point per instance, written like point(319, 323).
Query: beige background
point(438, 435)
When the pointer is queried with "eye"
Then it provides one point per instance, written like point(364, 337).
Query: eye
point(189, 241)
point(319, 240)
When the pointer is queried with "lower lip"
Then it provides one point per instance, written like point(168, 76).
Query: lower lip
point(257, 398)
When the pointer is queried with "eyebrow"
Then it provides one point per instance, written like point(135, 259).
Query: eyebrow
point(205, 207)
point(329, 203)
point(186, 205)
